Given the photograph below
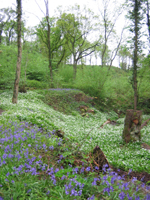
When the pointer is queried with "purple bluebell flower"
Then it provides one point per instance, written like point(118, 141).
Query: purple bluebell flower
point(125, 185)
point(129, 198)
point(130, 170)
point(44, 146)
point(122, 195)
point(7, 174)
point(63, 177)
point(67, 192)
point(88, 169)
point(134, 179)
point(113, 179)
point(51, 148)
point(147, 197)
point(56, 170)
point(72, 192)
point(75, 170)
point(91, 198)
point(80, 192)
point(137, 198)
point(107, 189)
point(82, 170)
point(48, 192)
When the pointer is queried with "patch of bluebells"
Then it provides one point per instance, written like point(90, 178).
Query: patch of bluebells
point(73, 188)
point(15, 148)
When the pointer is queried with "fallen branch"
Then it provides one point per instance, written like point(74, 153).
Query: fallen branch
point(145, 123)
point(107, 122)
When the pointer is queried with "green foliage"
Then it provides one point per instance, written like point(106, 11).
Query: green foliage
point(8, 66)
point(39, 165)
point(36, 84)
point(36, 75)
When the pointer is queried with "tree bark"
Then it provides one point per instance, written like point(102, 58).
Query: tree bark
point(132, 126)
point(0, 36)
point(135, 59)
point(74, 70)
point(18, 69)
point(49, 41)
point(49, 49)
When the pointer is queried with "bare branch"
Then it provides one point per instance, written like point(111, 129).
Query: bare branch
point(40, 7)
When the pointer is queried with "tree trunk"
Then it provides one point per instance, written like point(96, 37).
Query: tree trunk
point(74, 70)
point(132, 126)
point(136, 49)
point(49, 42)
point(0, 36)
point(148, 24)
point(16, 83)
point(49, 50)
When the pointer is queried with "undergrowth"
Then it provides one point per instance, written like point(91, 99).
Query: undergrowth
point(36, 164)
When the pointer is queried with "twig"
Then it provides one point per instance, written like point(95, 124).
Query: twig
point(145, 123)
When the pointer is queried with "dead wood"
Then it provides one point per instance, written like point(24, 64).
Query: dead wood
point(145, 123)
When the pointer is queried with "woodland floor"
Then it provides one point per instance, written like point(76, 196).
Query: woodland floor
point(141, 176)
point(1, 111)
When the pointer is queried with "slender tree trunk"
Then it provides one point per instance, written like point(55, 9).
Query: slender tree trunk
point(74, 69)
point(49, 42)
point(49, 50)
point(18, 69)
point(133, 118)
point(148, 24)
point(135, 59)
point(0, 36)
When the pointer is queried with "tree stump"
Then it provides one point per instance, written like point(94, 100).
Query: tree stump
point(132, 126)
point(97, 158)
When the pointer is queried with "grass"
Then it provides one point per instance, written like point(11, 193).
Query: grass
point(36, 164)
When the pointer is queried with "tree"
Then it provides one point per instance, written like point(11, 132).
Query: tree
point(108, 16)
point(76, 27)
point(148, 21)
point(105, 57)
point(0, 53)
point(124, 57)
point(48, 31)
point(133, 119)
point(57, 41)
point(7, 21)
point(49, 41)
point(10, 31)
point(18, 68)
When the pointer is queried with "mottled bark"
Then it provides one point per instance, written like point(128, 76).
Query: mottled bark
point(135, 57)
point(74, 70)
point(132, 126)
point(0, 36)
point(148, 24)
point(49, 41)
point(49, 49)
point(18, 69)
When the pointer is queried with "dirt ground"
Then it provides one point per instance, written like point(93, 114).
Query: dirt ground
point(141, 176)
point(1, 111)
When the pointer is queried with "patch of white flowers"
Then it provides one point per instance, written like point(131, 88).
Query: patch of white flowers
point(81, 130)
